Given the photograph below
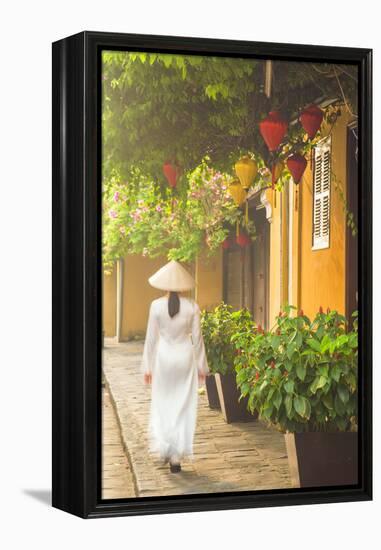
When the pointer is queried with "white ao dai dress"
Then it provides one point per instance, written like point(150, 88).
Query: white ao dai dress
point(174, 354)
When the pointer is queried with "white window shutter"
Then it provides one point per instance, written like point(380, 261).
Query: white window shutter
point(322, 195)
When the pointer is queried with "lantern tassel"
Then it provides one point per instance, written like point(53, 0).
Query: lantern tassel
point(247, 213)
point(296, 198)
point(273, 176)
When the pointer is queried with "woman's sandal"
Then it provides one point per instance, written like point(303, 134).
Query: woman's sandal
point(174, 468)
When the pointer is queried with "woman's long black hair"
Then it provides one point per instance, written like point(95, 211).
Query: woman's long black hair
point(173, 304)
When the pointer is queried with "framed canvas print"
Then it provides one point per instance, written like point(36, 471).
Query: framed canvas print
point(212, 274)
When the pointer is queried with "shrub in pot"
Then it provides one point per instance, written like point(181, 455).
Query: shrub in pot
point(301, 376)
point(218, 327)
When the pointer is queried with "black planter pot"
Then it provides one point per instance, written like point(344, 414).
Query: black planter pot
point(232, 409)
point(319, 459)
point(211, 391)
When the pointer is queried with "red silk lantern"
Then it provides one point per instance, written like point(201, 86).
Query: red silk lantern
point(172, 173)
point(273, 129)
point(226, 243)
point(243, 240)
point(296, 164)
point(311, 119)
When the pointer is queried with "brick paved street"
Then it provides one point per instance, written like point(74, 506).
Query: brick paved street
point(117, 478)
point(227, 457)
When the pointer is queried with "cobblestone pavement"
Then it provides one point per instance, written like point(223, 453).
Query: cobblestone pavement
point(117, 478)
point(227, 457)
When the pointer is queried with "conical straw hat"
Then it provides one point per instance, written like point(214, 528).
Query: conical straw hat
point(172, 277)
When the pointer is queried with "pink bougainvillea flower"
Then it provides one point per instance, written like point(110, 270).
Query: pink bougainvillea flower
point(116, 196)
point(158, 208)
point(113, 214)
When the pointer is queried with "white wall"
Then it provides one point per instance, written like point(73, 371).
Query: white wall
point(27, 29)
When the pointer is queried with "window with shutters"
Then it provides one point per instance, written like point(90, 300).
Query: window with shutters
point(322, 195)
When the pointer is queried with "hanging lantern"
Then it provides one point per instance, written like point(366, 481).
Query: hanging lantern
point(296, 164)
point(237, 192)
point(273, 129)
point(226, 244)
point(246, 169)
point(311, 119)
point(276, 171)
point(172, 173)
point(243, 240)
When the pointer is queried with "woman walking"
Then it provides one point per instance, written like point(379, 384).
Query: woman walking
point(173, 361)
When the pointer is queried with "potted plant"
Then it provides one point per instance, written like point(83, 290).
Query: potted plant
point(218, 327)
point(301, 376)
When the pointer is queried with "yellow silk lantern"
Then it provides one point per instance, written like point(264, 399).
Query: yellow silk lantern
point(239, 196)
point(246, 169)
point(277, 171)
point(237, 192)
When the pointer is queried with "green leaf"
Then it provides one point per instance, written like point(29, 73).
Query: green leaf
point(319, 382)
point(335, 372)
point(343, 393)
point(300, 405)
point(301, 371)
point(277, 400)
point(327, 399)
point(299, 339)
point(308, 409)
point(289, 386)
point(291, 348)
point(339, 406)
point(342, 423)
point(267, 410)
point(288, 405)
point(314, 344)
point(322, 382)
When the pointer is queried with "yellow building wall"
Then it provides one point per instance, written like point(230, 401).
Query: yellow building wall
point(138, 294)
point(109, 303)
point(209, 280)
point(275, 260)
point(309, 278)
point(322, 272)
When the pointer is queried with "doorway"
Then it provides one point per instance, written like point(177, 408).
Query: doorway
point(246, 271)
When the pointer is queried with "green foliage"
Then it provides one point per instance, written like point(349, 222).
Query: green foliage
point(165, 106)
point(218, 327)
point(302, 374)
point(184, 108)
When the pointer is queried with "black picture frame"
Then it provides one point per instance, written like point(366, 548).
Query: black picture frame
point(77, 274)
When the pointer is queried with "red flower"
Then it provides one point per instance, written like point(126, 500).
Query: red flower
point(328, 311)
point(301, 313)
point(260, 329)
point(321, 309)
point(238, 352)
point(257, 375)
point(280, 314)
point(272, 364)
